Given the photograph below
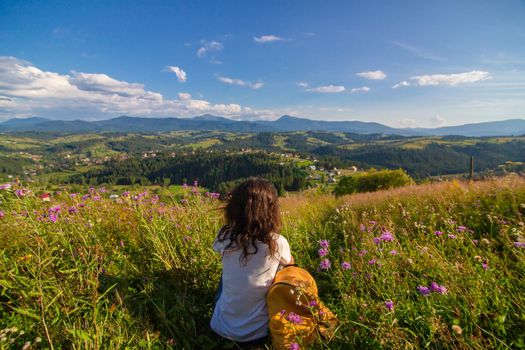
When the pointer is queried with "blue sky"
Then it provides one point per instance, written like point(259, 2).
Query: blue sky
point(403, 63)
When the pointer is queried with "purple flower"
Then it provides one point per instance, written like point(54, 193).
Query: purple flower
point(73, 195)
point(387, 236)
point(434, 287)
point(362, 252)
point(372, 261)
point(475, 241)
point(393, 252)
point(452, 236)
point(461, 229)
point(121, 243)
point(72, 210)
point(294, 318)
point(325, 264)
point(362, 227)
point(377, 240)
point(323, 252)
point(423, 290)
point(324, 243)
point(519, 244)
point(438, 233)
point(96, 198)
point(345, 265)
point(196, 183)
point(2, 214)
point(294, 346)
point(55, 209)
point(485, 265)
point(125, 194)
point(312, 303)
point(52, 218)
point(389, 305)
point(283, 312)
point(84, 197)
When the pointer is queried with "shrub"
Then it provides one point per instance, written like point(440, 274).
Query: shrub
point(372, 181)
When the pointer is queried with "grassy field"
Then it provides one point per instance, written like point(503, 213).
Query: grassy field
point(431, 266)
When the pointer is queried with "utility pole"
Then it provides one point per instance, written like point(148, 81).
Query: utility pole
point(471, 168)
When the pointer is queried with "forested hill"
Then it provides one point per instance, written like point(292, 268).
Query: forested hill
point(217, 172)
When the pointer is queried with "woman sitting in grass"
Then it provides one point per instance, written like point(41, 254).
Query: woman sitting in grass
point(252, 251)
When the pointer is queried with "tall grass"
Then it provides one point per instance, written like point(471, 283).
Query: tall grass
point(139, 272)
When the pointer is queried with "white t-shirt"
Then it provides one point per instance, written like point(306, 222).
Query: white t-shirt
point(240, 312)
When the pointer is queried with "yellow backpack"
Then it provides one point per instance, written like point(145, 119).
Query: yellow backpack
point(296, 314)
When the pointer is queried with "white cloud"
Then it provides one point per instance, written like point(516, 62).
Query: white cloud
point(233, 81)
point(329, 89)
point(209, 47)
point(26, 90)
point(183, 96)
point(451, 79)
point(361, 89)
point(302, 84)
point(267, 39)
point(438, 121)
point(179, 72)
point(372, 75)
point(401, 84)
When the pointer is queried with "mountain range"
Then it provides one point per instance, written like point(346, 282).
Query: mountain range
point(284, 124)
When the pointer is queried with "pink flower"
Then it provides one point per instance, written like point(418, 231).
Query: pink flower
point(294, 346)
point(325, 264)
point(372, 261)
point(434, 287)
point(323, 252)
point(438, 233)
point(485, 265)
point(294, 318)
point(362, 227)
point(324, 243)
point(393, 252)
point(387, 236)
point(2, 214)
point(423, 290)
point(461, 229)
point(389, 305)
point(451, 236)
point(345, 265)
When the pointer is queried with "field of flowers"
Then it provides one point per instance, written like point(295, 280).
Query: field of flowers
point(427, 266)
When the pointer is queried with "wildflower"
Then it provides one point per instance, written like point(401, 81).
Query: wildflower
point(84, 197)
point(438, 233)
point(393, 252)
point(323, 252)
point(325, 264)
point(423, 290)
point(362, 252)
point(195, 183)
point(125, 194)
point(362, 227)
point(283, 312)
point(434, 287)
point(324, 243)
point(485, 265)
point(21, 192)
point(312, 303)
point(457, 329)
point(96, 198)
point(519, 244)
point(475, 241)
point(72, 210)
point(294, 346)
point(52, 218)
point(389, 305)
point(372, 261)
point(294, 318)
point(121, 243)
point(387, 236)
point(73, 195)
point(2, 214)
point(461, 229)
point(452, 236)
point(55, 209)
point(377, 240)
point(345, 265)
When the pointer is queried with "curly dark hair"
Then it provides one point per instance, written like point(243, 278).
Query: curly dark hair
point(252, 214)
